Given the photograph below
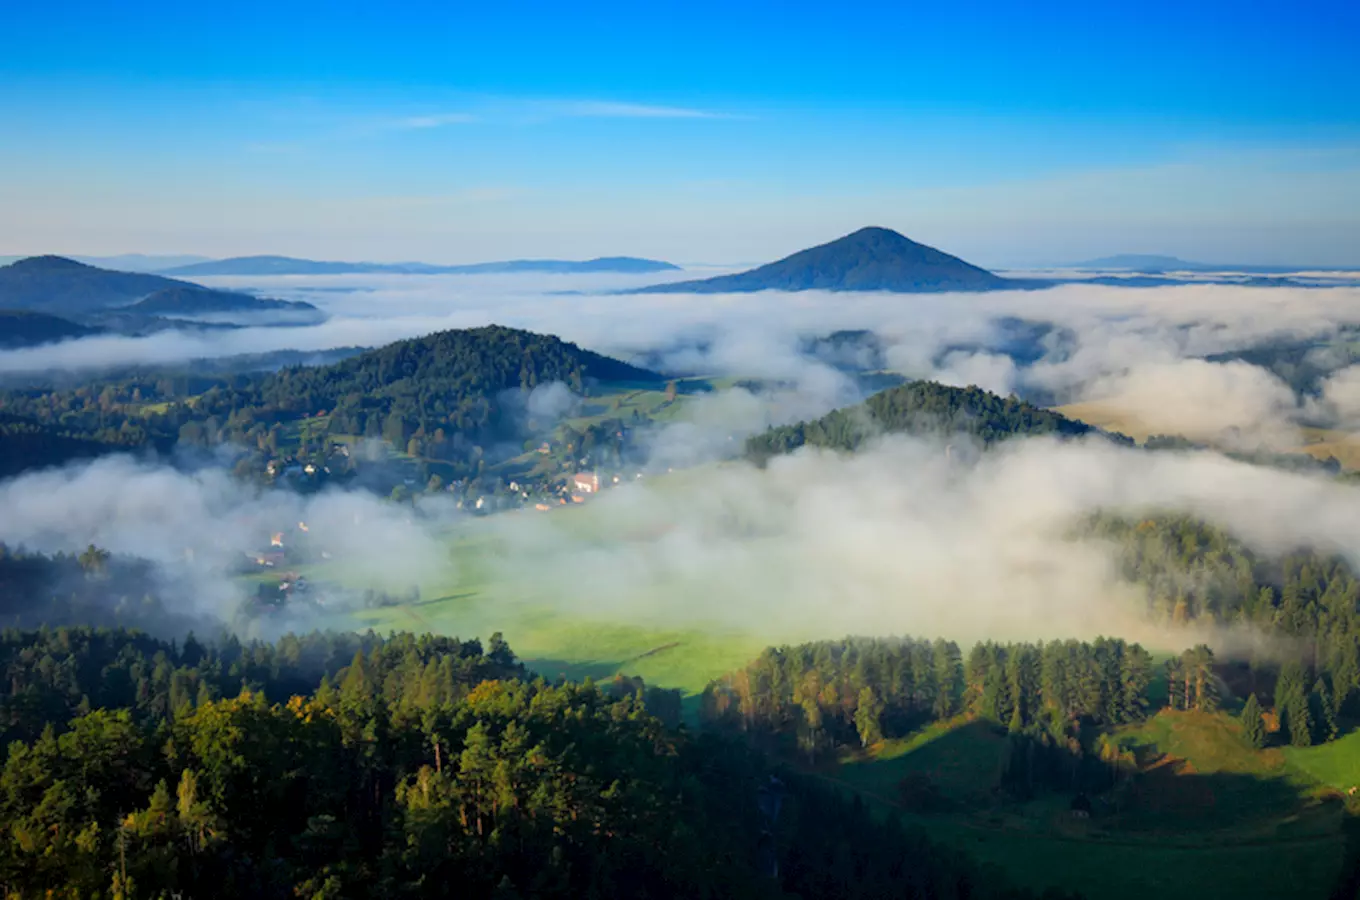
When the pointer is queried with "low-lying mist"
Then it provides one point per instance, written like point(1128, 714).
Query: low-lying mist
point(902, 537)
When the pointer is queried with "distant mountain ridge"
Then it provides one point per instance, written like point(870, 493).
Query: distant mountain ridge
point(871, 259)
point(58, 286)
point(1154, 264)
point(286, 265)
point(192, 300)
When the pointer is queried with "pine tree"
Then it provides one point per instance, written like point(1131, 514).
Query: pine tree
point(996, 704)
point(1175, 684)
point(1253, 728)
point(867, 716)
point(1291, 705)
point(1321, 713)
point(949, 675)
point(1017, 723)
point(1202, 675)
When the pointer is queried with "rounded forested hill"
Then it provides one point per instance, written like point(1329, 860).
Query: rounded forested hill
point(485, 359)
point(23, 328)
point(449, 379)
point(919, 407)
point(57, 284)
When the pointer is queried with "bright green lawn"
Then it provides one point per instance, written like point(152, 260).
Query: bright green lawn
point(1336, 764)
point(1218, 820)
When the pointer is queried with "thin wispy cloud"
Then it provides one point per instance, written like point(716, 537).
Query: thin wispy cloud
point(540, 111)
point(609, 109)
point(437, 120)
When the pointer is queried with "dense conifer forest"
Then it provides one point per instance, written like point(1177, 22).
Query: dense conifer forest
point(27, 444)
point(354, 766)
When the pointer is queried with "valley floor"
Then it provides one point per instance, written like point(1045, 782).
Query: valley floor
point(1204, 815)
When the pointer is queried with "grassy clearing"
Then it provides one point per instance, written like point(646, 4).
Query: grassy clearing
point(1112, 418)
point(1322, 443)
point(1209, 816)
point(1319, 443)
point(1335, 764)
point(547, 612)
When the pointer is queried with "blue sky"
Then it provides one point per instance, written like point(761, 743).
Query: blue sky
point(1008, 133)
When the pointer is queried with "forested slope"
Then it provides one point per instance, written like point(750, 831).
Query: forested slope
point(26, 444)
point(422, 766)
point(457, 390)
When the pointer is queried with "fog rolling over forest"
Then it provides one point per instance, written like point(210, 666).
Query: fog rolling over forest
point(1123, 348)
point(911, 535)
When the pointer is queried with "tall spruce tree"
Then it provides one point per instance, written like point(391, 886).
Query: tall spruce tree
point(1253, 727)
point(1322, 713)
point(1291, 705)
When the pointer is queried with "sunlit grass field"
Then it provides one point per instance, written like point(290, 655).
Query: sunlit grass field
point(1335, 764)
point(1210, 817)
point(1316, 442)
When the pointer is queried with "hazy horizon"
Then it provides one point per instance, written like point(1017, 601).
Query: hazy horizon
point(152, 261)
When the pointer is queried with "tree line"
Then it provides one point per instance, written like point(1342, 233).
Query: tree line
point(823, 696)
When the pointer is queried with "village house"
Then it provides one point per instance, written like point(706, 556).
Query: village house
point(586, 482)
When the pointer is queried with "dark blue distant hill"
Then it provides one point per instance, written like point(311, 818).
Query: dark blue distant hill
point(871, 259)
point(620, 264)
point(271, 265)
point(284, 265)
point(54, 284)
point(1141, 262)
point(191, 300)
point(25, 328)
point(123, 301)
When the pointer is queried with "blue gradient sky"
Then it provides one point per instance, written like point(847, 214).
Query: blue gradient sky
point(1007, 133)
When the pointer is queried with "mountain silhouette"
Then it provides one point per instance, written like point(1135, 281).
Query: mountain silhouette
point(871, 259)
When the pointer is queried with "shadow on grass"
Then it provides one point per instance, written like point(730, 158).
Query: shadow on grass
point(962, 771)
point(557, 669)
point(465, 595)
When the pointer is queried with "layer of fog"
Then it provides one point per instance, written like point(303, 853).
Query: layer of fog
point(897, 539)
point(900, 540)
point(893, 540)
point(1136, 352)
point(199, 526)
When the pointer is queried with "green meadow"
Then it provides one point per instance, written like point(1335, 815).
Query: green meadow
point(1205, 815)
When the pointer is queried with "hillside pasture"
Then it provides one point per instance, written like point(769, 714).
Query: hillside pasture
point(1205, 816)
